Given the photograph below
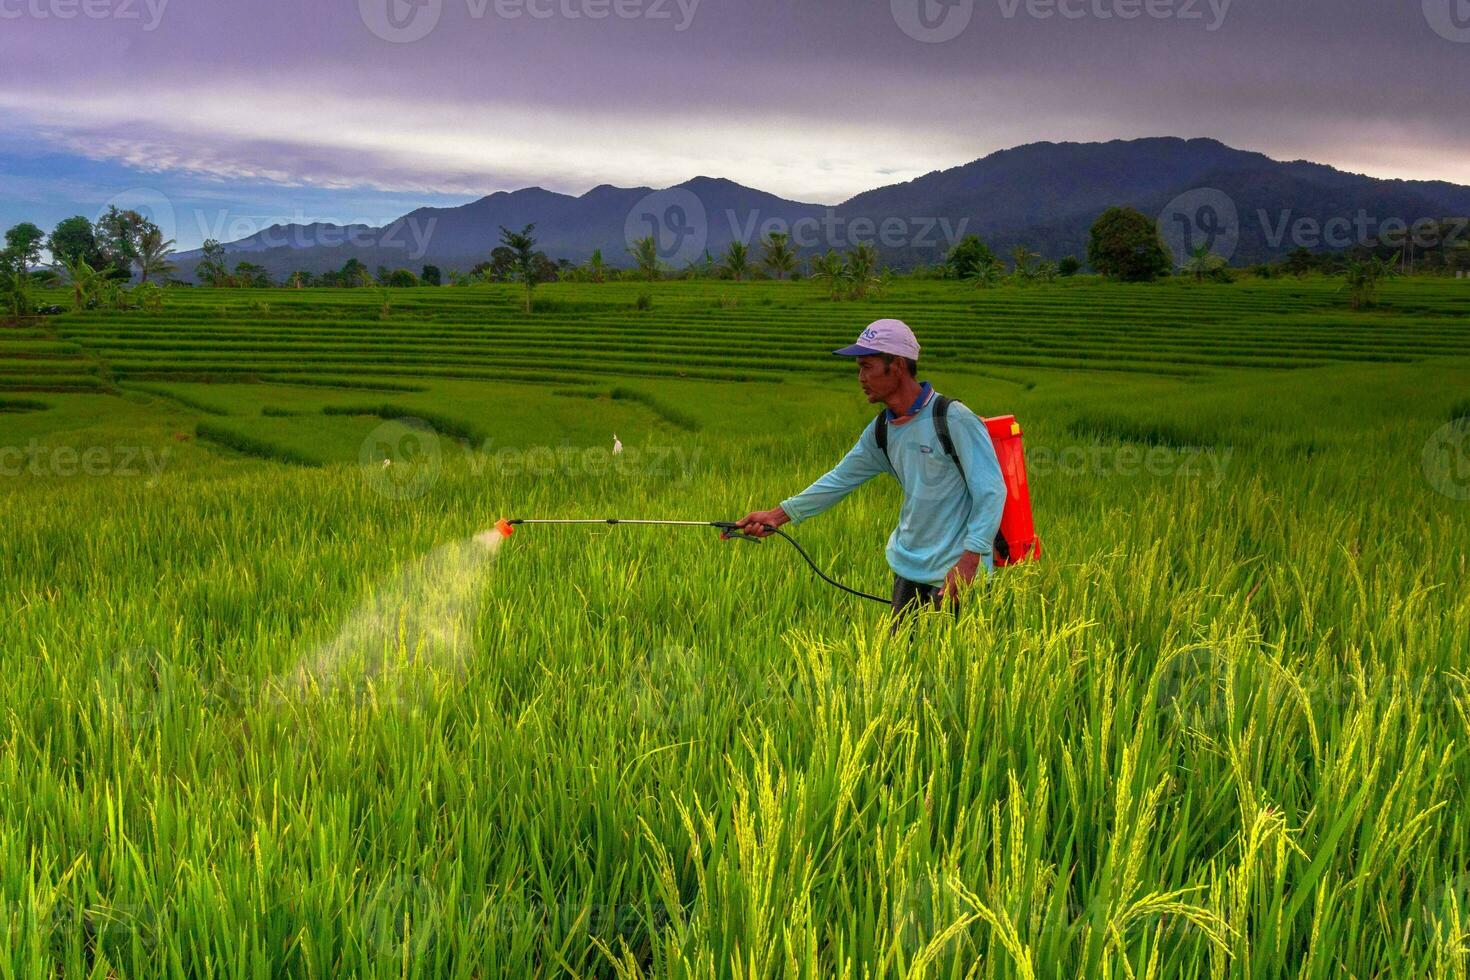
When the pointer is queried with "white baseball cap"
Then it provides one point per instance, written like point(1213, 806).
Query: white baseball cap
point(884, 337)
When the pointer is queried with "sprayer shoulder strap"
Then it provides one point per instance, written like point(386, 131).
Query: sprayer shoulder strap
point(941, 429)
point(1001, 547)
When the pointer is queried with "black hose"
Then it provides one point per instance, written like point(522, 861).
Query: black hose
point(823, 575)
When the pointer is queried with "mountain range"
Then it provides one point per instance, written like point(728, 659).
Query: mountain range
point(1045, 196)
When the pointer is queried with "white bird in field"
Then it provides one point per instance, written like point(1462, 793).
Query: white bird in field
point(387, 463)
point(617, 445)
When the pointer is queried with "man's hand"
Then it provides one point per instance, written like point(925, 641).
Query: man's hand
point(754, 524)
point(964, 572)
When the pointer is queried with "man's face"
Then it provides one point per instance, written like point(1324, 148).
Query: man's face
point(879, 380)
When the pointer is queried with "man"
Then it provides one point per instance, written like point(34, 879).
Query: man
point(949, 519)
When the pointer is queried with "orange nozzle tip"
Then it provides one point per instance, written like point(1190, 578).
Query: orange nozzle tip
point(504, 527)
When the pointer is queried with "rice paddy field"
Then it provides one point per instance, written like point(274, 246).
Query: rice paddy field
point(275, 705)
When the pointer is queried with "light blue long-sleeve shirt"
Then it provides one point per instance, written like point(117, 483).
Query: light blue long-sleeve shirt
point(943, 514)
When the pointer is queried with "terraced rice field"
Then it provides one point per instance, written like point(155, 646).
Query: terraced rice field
point(274, 708)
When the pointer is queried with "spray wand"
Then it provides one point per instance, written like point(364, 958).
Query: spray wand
point(729, 531)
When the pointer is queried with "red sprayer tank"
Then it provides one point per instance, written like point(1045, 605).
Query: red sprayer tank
point(1017, 540)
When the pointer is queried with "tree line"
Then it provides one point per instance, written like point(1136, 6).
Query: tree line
point(97, 259)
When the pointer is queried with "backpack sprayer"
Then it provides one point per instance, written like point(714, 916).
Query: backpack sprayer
point(1015, 541)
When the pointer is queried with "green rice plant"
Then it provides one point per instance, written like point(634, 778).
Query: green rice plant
point(441, 423)
point(290, 720)
point(250, 445)
point(667, 412)
point(22, 405)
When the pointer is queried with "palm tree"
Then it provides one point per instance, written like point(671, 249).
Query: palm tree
point(596, 268)
point(737, 260)
point(1022, 257)
point(15, 283)
point(832, 270)
point(153, 253)
point(85, 281)
point(1364, 274)
point(1202, 262)
point(778, 257)
point(148, 296)
point(986, 272)
point(111, 294)
point(523, 256)
point(862, 264)
point(645, 253)
point(212, 264)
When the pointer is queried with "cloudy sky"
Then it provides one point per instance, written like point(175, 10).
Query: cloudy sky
point(238, 114)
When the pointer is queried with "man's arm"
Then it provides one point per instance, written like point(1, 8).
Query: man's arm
point(862, 462)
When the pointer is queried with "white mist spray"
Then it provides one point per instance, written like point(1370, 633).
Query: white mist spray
point(421, 618)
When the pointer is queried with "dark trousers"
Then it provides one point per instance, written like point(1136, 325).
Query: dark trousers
point(909, 597)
